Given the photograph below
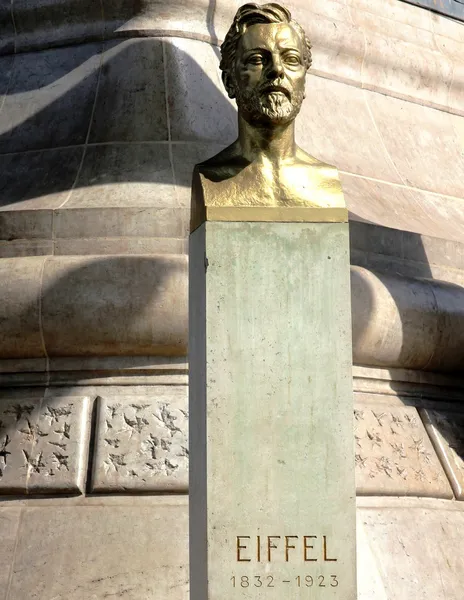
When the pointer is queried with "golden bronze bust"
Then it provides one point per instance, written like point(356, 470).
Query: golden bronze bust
point(264, 175)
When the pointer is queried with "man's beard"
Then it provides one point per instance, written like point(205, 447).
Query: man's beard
point(259, 106)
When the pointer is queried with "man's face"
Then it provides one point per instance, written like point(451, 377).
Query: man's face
point(270, 73)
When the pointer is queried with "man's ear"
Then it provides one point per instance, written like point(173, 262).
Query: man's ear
point(228, 84)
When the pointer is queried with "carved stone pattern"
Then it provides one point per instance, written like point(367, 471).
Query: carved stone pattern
point(43, 445)
point(447, 432)
point(142, 444)
point(394, 454)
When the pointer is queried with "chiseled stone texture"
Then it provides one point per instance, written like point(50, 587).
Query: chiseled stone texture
point(142, 442)
point(394, 455)
point(50, 98)
point(271, 430)
point(406, 322)
point(198, 105)
point(36, 23)
point(126, 551)
point(9, 523)
point(131, 101)
point(35, 181)
point(125, 175)
point(43, 445)
point(410, 549)
point(446, 430)
point(118, 305)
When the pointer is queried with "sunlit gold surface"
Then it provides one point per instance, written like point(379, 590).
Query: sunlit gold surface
point(264, 175)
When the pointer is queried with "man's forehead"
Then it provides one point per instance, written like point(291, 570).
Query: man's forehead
point(270, 35)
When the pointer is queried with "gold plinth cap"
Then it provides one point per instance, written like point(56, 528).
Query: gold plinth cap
point(217, 202)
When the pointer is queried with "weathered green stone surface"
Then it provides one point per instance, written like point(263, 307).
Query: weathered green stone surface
point(271, 429)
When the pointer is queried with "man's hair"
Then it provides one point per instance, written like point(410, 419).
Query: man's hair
point(252, 14)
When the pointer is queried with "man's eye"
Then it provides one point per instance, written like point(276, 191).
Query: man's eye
point(292, 60)
point(255, 60)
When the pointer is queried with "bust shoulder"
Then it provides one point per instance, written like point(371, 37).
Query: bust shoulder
point(225, 164)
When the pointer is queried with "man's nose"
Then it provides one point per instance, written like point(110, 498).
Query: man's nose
point(275, 68)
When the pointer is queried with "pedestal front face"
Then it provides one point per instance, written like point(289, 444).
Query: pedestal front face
point(271, 432)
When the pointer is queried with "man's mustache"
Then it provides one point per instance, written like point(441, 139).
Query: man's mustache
point(268, 88)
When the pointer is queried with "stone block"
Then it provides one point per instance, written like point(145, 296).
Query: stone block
point(131, 103)
point(394, 455)
point(50, 98)
point(394, 321)
point(43, 445)
point(417, 73)
point(386, 23)
point(185, 156)
point(137, 222)
point(415, 549)
point(422, 144)
point(338, 47)
point(125, 175)
point(446, 430)
point(178, 18)
point(142, 442)
point(20, 332)
point(199, 108)
point(33, 181)
point(354, 146)
point(39, 25)
point(373, 238)
point(332, 9)
point(9, 523)
point(271, 438)
point(115, 305)
point(403, 208)
point(402, 12)
point(7, 40)
point(18, 248)
point(132, 552)
point(6, 71)
point(26, 225)
point(123, 245)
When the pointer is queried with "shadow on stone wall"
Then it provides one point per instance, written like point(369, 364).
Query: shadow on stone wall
point(62, 104)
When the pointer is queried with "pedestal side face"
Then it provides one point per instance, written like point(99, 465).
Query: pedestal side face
point(198, 522)
point(279, 492)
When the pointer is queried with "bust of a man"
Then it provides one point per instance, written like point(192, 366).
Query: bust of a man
point(265, 57)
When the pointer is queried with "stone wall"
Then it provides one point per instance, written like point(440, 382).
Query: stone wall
point(104, 109)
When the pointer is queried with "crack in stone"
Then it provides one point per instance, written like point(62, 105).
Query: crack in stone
point(32, 431)
point(34, 463)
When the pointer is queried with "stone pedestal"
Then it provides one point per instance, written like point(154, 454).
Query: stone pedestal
point(272, 496)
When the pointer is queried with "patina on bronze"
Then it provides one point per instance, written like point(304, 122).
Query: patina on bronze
point(264, 175)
